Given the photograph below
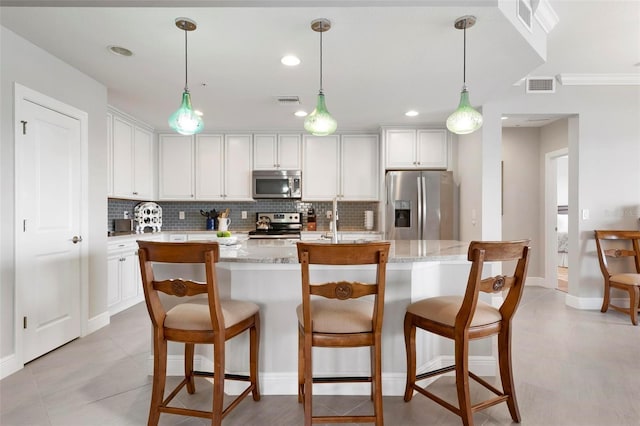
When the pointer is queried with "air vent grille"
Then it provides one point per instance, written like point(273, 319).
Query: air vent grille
point(541, 85)
point(288, 100)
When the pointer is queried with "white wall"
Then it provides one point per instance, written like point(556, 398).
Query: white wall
point(521, 191)
point(604, 167)
point(36, 69)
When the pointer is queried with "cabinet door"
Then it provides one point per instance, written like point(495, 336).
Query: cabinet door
point(142, 166)
point(109, 155)
point(432, 149)
point(237, 167)
point(113, 280)
point(122, 158)
point(265, 152)
point(289, 147)
point(320, 168)
point(400, 148)
point(359, 167)
point(176, 168)
point(209, 167)
point(128, 282)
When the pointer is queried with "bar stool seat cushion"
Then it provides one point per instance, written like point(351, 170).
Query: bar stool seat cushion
point(628, 279)
point(339, 316)
point(194, 315)
point(444, 309)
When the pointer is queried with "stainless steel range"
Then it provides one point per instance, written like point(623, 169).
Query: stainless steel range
point(277, 225)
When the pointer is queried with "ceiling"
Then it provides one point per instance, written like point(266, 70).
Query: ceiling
point(381, 58)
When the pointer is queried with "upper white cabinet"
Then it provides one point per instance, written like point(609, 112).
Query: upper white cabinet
point(416, 149)
point(131, 159)
point(176, 167)
point(359, 167)
point(277, 151)
point(205, 167)
point(237, 168)
point(320, 167)
point(344, 166)
point(109, 154)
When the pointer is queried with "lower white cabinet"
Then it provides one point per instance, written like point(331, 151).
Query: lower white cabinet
point(124, 283)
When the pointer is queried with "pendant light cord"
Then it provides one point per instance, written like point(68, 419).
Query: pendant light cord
point(186, 85)
point(464, 55)
point(321, 31)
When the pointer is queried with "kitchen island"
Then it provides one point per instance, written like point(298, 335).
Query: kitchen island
point(267, 272)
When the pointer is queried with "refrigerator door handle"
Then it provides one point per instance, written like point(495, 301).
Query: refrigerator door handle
point(420, 206)
point(423, 218)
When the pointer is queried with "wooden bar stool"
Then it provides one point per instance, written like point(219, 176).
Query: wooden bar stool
point(465, 318)
point(331, 315)
point(627, 281)
point(209, 320)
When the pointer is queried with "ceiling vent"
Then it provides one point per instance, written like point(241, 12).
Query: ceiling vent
point(525, 14)
point(541, 85)
point(288, 100)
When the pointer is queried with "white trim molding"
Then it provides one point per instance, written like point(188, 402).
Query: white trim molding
point(631, 79)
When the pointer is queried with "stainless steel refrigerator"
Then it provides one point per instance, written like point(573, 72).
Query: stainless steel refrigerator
point(421, 205)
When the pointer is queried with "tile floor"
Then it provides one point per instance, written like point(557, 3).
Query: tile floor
point(571, 367)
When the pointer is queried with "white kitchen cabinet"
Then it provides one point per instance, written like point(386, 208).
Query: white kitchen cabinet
point(131, 149)
point(109, 154)
point(320, 167)
point(209, 172)
point(124, 288)
point(416, 149)
point(277, 151)
point(176, 167)
point(124, 282)
point(344, 166)
point(237, 167)
point(359, 167)
point(205, 167)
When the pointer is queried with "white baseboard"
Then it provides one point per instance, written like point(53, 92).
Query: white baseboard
point(286, 383)
point(592, 303)
point(97, 322)
point(540, 282)
point(9, 365)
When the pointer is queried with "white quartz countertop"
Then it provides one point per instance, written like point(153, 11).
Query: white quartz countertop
point(284, 251)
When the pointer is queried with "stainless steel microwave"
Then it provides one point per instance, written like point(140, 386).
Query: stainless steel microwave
point(277, 184)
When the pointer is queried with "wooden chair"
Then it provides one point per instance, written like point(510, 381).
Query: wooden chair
point(629, 282)
point(207, 320)
point(331, 315)
point(465, 318)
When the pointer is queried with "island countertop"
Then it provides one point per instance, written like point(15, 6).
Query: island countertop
point(401, 251)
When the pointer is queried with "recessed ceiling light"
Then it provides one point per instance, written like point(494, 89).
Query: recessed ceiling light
point(504, 117)
point(198, 112)
point(300, 113)
point(411, 113)
point(290, 60)
point(120, 51)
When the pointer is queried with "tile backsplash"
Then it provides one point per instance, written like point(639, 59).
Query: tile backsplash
point(351, 214)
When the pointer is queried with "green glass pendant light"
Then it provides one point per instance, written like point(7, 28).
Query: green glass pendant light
point(465, 119)
point(320, 122)
point(185, 120)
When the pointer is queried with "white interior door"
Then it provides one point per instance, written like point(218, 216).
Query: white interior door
point(48, 218)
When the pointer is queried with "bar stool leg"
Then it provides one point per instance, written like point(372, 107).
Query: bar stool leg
point(410, 349)
point(506, 373)
point(462, 380)
point(189, 349)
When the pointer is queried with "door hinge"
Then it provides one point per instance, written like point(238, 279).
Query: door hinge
point(24, 225)
point(24, 322)
point(24, 127)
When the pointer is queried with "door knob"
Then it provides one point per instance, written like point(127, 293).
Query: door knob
point(76, 239)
